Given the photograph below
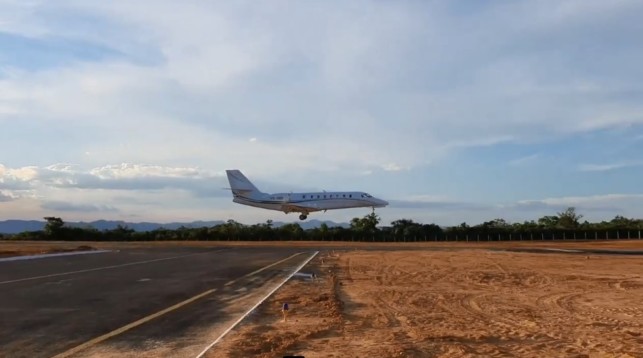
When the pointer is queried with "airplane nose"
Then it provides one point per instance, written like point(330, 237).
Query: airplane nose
point(381, 203)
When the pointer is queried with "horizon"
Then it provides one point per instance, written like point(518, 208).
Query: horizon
point(452, 112)
point(382, 223)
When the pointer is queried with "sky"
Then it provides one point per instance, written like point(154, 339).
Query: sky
point(453, 111)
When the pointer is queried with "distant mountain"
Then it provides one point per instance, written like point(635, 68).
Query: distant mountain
point(143, 226)
point(18, 226)
point(311, 224)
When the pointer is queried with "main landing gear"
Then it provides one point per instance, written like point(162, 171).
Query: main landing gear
point(303, 217)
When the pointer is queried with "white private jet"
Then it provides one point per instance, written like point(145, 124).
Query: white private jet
point(244, 192)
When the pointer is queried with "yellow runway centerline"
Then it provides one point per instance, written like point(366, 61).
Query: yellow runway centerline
point(139, 322)
point(131, 325)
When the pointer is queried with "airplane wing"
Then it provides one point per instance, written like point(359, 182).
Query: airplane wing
point(300, 207)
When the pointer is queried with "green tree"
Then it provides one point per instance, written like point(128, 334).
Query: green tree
point(495, 224)
point(291, 231)
point(406, 228)
point(366, 224)
point(54, 226)
point(568, 219)
point(549, 221)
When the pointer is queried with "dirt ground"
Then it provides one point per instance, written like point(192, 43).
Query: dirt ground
point(16, 248)
point(467, 303)
point(8, 249)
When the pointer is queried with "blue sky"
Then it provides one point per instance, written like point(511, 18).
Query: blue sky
point(452, 111)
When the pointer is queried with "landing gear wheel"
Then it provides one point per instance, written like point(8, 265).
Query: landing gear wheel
point(302, 217)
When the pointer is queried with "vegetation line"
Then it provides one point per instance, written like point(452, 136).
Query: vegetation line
point(565, 225)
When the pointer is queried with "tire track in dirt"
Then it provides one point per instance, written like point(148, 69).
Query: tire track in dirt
point(453, 304)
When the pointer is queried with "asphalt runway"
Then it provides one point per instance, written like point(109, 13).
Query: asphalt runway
point(53, 305)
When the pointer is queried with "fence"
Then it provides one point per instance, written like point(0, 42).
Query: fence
point(585, 235)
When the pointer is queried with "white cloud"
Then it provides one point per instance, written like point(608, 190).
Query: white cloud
point(608, 167)
point(6, 195)
point(524, 160)
point(63, 206)
point(588, 201)
point(17, 174)
point(129, 170)
point(393, 167)
point(126, 176)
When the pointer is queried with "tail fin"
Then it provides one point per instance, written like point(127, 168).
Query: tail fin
point(239, 184)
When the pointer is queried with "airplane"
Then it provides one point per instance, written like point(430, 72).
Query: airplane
point(244, 192)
